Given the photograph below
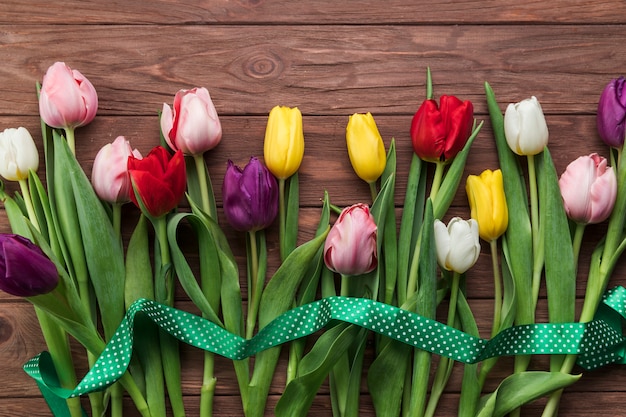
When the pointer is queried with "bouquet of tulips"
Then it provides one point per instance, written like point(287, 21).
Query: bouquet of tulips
point(67, 257)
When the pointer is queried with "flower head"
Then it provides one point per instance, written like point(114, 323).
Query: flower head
point(365, 147)
point(250, 196)
point(350, 247)
point(25, 271)
point(283, 148)
point(525, 127)
point(109, 176)
point(159, 180)
point(439, 132)
point(457, 244)
point(611, 116)
point(18, 154)
point(487, 201)
point(192, 125)
point(589, 189)
point(67, 100)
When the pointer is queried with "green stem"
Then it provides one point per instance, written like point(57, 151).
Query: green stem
point(255, 285)
point(30, 210)
point(412, 281)
point(135, 394)
point(497, 285)
point(117, 219)
point(282, 218)
point(204, 185)
point(207, 391)
point(577, 241)
point(534, 219)
point(117, 396)
point(437, 179)
point(71, 139)
point(373, 190)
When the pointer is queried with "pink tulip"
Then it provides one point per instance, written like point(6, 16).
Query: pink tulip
point(350, 247)
point(192, 126)
point(67, 100)
point(109, 176)
point(589, 188)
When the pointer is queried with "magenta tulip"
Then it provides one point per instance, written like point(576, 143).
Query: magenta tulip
point(611, 116)
point(109, 175)
point(25, 271)
point(67, 100)
point(192, 125)
point(250, 196)
point(589, 188)
point(350, 247)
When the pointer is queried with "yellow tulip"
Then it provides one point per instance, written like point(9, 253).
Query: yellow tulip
point(284, 141)
point(365, 147)
point(488, 203)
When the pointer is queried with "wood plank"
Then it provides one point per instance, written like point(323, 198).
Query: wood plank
point(323, 11)
point(322, 69)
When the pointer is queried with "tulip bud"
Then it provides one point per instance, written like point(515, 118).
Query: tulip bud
point(109, 175)
point(365, 147)
point(487, 201)
point(457, 244)
point(25, 271)
point(18, 154)
point(439, 133)
point(67, 99)
point(192, 125)
point(350, 247)
point(525, 127)
point(250, 196)
point(589, 189)
point(611, 114)
point(158, 180)
point(283, 148)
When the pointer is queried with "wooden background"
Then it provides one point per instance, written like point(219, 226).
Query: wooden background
point(331, 59)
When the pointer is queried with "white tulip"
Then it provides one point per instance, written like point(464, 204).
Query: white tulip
point(18, 154)
point(457, 244)
point(525, 127)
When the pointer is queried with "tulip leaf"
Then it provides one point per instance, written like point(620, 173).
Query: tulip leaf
point(292, 197)
point(453, 177)
point(101, 245)
point(522, 388)
point(139, 277)
point(314, 368)
point(560, 269)
point(389, 254)
point(519, 233)
point(470, 386)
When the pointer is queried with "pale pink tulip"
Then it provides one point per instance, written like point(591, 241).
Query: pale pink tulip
point(67, 100)
point(192, 126)
point(350, 247)
point(109, 176)
point(589, 188)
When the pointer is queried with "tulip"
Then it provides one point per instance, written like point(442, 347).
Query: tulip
point(589, 188)
point(250, 196)
point(365, 147)
point(525, 127)
point(488, 203)
point(283, 148)
point(109, 175)
point(25, 271)
point(457, 244)
point(67, 99)
point(611, 114)
point(440, 132)
point(158, 180)
point(18, 154)
point(350, 247)
point(192, 125)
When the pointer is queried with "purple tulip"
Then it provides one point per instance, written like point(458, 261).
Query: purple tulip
point(250, 196)
point(25, 271)
point(612, 113)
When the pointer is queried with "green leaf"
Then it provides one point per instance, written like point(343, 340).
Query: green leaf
point(519, 233)
point(139, 276)
point(522, 388)
point(291, 214)
point(313, 370)
point(389, 253)
point(193, 183)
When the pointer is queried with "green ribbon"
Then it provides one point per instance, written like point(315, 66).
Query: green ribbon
point(596, 343)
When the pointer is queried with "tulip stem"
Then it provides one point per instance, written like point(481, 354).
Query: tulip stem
point(203, 180)
point(71, 139)
point(282, 217)
point(437, 179)
point(373, 190)
point(117, 219)
point(536, 236)
point(577, 241)
point(497, 285)
point(255, 284)
point(30, 209)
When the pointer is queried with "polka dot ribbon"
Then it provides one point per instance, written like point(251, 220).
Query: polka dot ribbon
point(596, 343)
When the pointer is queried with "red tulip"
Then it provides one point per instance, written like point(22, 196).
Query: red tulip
point(158, 180)
point(350, 247)
point(439, 133)
point(67, 100)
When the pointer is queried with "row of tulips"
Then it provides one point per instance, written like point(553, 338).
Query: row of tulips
point(78, 255)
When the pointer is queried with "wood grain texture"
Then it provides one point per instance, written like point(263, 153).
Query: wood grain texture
point(331, 59)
